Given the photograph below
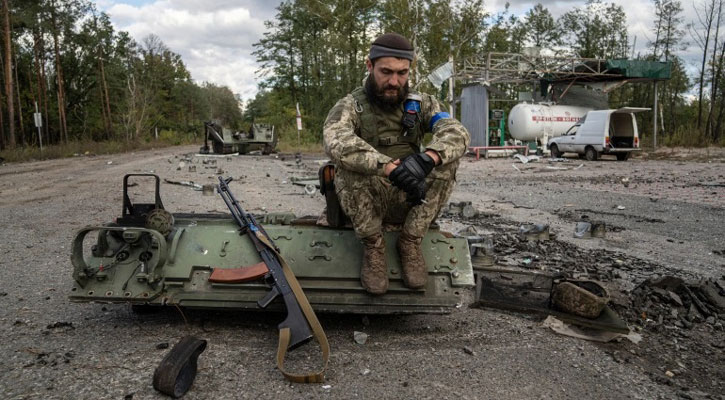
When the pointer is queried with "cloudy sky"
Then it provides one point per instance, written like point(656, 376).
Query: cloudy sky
point(215, 37)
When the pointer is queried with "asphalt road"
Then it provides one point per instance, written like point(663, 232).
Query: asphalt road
point(54, 349)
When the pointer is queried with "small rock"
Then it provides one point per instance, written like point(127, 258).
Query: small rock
point(710, 320)
point(670, 374)
point(360, 337)
point(365, 372)
point(60, 325)
point(162, 345)
point(469, 350)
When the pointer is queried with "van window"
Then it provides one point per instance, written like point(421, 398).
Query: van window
point(572, 130)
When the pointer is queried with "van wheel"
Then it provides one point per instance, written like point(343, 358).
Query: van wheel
point(555, 153)
point(623, 156)
point(590, 154)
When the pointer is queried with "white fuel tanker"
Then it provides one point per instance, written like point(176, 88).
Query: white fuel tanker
point(529, 122)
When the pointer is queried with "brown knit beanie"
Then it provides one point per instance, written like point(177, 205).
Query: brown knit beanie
point(392, 45)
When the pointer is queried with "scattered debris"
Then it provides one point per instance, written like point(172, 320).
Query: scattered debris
point(468, 350)
point(594, 335)
point(463, 209)
point(311, 190)
point(535, 232)
point(584, 298)
point(583, 230)
point(57, 325)
point(190, 184)
point(525, 159)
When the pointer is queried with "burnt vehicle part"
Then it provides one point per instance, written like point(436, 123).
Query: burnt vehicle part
point(136, 261)
point(223, 140)
point(531, 292)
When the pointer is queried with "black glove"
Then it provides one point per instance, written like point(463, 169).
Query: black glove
point(410, 175)
point(416, 195)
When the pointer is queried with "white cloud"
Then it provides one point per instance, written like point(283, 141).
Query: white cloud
point(214, 38)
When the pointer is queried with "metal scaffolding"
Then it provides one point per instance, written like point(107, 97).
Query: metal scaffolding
point(493, 68)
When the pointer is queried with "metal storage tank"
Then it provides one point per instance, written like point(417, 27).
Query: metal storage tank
point(528, 122)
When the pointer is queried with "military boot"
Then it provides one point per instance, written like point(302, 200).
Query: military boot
point(415, 273)
point(374, 272)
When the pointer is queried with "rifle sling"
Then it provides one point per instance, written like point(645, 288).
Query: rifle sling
point(284, 333)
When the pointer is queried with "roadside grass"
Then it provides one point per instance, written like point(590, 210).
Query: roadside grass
point(292, 147)
point(86, 147)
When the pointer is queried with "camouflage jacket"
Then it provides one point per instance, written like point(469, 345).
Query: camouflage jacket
point(345, 147)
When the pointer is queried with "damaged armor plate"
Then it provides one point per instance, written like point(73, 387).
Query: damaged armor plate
point(154, 257)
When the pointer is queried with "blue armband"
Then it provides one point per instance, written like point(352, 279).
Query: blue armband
point(436, 117)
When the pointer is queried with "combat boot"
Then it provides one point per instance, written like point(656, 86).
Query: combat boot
point(374, 272)
point(415, 273)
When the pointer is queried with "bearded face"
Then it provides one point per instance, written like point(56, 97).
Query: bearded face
point(387, 85)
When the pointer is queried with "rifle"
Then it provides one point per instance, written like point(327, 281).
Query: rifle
point(301, 323)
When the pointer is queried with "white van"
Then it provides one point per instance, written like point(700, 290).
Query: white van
point(600, 132)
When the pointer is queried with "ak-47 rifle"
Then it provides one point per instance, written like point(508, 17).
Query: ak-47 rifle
point(301, 323)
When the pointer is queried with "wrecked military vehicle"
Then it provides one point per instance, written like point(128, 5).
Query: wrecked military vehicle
point(150, 256)
point(261, 137)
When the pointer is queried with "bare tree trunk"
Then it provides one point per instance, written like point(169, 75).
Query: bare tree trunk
point(9, 75)
point(59, 77)
point(707, 24)
point(107, 109)
point(103, 100)
point(20, 105)
point(714, 71)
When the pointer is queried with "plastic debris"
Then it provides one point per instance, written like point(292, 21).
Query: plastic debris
point(525, 159)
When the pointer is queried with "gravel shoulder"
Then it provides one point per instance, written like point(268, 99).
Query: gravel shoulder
point(664, 216)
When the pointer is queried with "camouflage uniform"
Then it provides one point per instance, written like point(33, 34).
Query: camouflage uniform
point(360, 139)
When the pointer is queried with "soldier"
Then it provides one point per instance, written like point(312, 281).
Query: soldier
point(374, 137)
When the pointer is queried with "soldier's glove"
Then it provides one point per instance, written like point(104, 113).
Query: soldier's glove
point(410, 175)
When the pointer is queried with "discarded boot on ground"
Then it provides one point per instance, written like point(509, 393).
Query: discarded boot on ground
point(415, 273)
point(374, 272)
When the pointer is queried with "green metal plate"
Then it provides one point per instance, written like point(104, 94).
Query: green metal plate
point(326, 262)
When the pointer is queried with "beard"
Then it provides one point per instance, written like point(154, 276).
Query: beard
point(376, 94)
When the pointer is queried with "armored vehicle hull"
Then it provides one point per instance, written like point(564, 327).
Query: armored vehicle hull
point(150, 256)
point(261, 137)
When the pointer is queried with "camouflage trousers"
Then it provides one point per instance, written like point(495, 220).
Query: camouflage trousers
point(370, 201)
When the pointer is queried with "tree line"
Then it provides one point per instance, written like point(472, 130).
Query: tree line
point(91, 82)
point(88, 81)
point(313, 53)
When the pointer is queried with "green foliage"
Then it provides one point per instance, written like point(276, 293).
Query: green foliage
point(113, 88)
point(596, 30)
